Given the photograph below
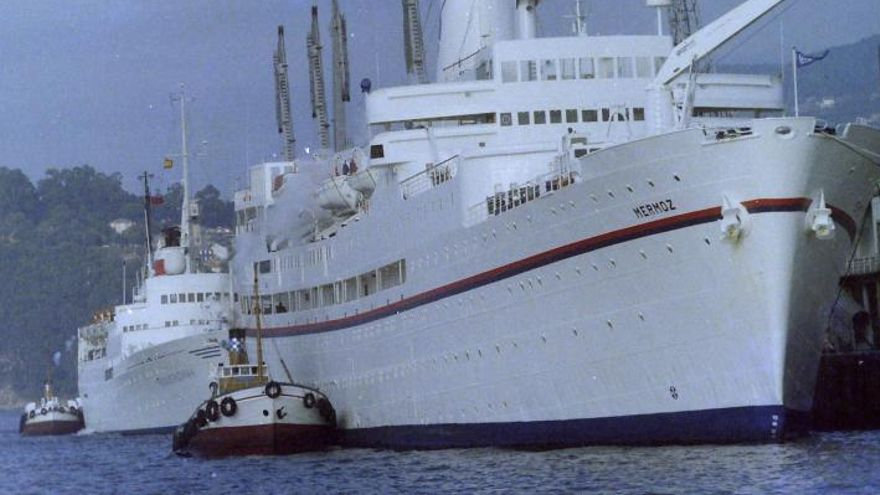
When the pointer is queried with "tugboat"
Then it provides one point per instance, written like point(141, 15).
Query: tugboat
point(51, 416)
point(251, 414)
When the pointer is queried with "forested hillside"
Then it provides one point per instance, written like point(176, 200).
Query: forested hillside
point(60, 261)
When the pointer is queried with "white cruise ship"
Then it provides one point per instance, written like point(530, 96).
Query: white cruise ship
point(145, 365)
point(562, 241)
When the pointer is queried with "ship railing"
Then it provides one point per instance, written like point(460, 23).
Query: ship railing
point(432, 176)
point(520, 194)
point(863, 266)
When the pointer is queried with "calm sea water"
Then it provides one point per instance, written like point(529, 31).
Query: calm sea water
point(85, 464)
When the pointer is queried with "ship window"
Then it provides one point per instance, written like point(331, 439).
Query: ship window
point(350, 289)
point(587, 69)
point(555, 116)
point(175, 323)
point(304, 299)
point(164, 298)
point(567, 68)
point(264, 266)
point(377, 151)
point(181, 298)
point(389, 275)
point(367, 284)
point(266, 305)
point(625, 67)
point(540, 117)
point(571, 116)
point(167, 324)
point(508, 72)
point(191, 297)
point(522, 118)
point(216, 296)
point(548, 70)
point(643, 68)
point(589, 115)
point(506, 120)
point(605, 69)
point(327, 295)
point(173, 298)
point(200, 297)
point(282, 302)
point(638, 114)
point(606, 114)
point(528, 70)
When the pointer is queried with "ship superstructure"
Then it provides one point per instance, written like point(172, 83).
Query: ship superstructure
point(561, 241)
point(144, 364)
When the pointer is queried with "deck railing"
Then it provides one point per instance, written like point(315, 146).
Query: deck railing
point(863, 266)
point(432, 176)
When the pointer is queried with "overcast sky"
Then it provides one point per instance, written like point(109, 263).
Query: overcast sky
point(88, 81)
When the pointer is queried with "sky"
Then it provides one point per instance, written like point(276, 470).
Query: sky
point(89, 81)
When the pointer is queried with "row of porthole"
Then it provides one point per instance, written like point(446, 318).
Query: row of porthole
point(631, 189)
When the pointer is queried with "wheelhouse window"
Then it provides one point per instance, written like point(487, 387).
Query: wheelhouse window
point(571, 116)
point(528, 70)
point(506, 120)
point(522, 118)
point(540, 117)
point(587, 68)
point(567, 68)
point(606, 68)
point(643, 68)
point(625, 68)
point(548, 70)
point(555, 116)
point(590, 116)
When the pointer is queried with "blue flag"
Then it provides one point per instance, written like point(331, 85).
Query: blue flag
point(805, 59)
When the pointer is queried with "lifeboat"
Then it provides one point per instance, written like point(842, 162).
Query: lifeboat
point(336, 195)
point(362, 182)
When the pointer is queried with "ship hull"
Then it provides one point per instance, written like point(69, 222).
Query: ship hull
point(584, 317)
point(257, 424)
point(150, 391)
point(52, 423)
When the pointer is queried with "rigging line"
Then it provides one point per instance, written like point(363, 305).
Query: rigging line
point(756, 31)
point(467, 29)
point(852, 254)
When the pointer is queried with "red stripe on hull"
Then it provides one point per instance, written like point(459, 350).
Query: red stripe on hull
point(273, 439)
point(647, 229)
point(51, 428)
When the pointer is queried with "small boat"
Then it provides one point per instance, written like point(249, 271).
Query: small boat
point(51, 416)
point(251, 414)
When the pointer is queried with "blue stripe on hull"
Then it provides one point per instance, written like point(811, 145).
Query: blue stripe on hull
point(730, 425)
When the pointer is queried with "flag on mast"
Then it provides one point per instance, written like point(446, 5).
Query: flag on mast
point(805, 59)
point(800, 59)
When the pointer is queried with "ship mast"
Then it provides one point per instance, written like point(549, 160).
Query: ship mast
point(147, 217)
point(258, 311)
point(185, 208)
point(413, 42)
point(282, 100)
point(341, 84)
point(316, 80)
